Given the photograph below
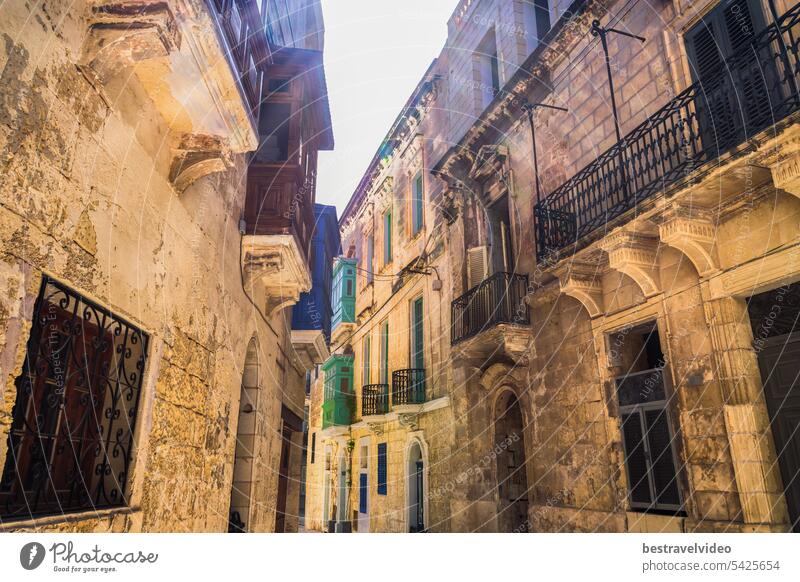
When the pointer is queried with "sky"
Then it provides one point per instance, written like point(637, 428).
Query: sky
point(376, 51)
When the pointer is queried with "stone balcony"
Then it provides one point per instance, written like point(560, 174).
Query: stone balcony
point(275, 272)
point(310, 347)
point(492, 318)
point(180, 55)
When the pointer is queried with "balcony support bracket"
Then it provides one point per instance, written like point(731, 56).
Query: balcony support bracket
point(786, 174)
point(275, 272)
point(124, 33)
point(408, 420)
point(196, 156)
point(691, 234)
point(635, 255)
point(581, 281)
point(377, 428)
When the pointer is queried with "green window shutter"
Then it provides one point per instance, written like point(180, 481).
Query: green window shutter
point(366, 370)
point(384, 351)
point(382, 467)
point(417, 348)
point(370, 256)
point(387, 238)
point(417, 207)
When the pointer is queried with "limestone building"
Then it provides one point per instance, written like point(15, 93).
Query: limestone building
point(157, 182)
point(609, 273)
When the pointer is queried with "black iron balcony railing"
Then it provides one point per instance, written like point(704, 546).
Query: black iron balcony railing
point(756, 89)
point(374, 399)
point(408, 386)
point(498, 299)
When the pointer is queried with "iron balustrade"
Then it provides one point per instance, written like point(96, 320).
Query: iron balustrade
point(374, 399)
point(756, 89)
point(70, 444)
point(498, 299)
point(408, 386)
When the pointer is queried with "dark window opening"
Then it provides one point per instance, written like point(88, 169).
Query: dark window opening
point(274, 131)
point(648, 439)
point(382, 468)
point(278, 85)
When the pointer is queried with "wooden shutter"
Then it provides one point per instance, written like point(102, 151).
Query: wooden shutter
point(636, 459)
point(366, 365)
point(664, 473)
point(417, 204)
point(476, 266)
point(417, 347)
point(387, 238)
point(649, 458)
point(362, 493)
point(370, 256)
point(734, 90)
point(384, 352)
point(381, 468)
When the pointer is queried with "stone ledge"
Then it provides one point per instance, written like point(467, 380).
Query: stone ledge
point(36, 523)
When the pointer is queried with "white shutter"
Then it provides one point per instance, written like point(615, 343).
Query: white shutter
point(476, 266)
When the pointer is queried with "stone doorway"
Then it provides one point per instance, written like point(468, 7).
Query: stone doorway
point(416, 490)
point(239, 515)
point(775, 319)
point(512, 479)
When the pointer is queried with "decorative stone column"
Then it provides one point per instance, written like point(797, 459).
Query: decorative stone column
point(746, 418)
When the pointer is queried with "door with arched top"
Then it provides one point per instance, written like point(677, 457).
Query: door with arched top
point(240, 507)
point(512, 480)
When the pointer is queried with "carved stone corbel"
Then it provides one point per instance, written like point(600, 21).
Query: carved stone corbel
point(275, 272)
point(693, 235)
point(635, 255)
point(786, 174)
point(377, 428)
point(123, 33)
point(196, 156)
point(582, 281)
point(409, 420)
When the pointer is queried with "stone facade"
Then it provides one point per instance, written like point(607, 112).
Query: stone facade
point(535, 427)
point(125, 138)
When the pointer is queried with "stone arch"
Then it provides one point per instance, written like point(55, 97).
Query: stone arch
point(417, 483)
point(240, 513)
point(510, 422)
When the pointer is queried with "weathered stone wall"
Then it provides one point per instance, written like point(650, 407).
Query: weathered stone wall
point(85, 198)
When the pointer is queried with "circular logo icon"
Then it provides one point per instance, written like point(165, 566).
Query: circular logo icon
point(31, 555)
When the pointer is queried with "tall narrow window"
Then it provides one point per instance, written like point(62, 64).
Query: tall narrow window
point(489, 69)
point(366, 372)
point(537, 22)
point(387, 237)
point(370, 257)
point(384, 351)
point(647, 437)
point(417, 204)
point(313, 446)
point(382, 468)
point(71, 435)
point(417, 335)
